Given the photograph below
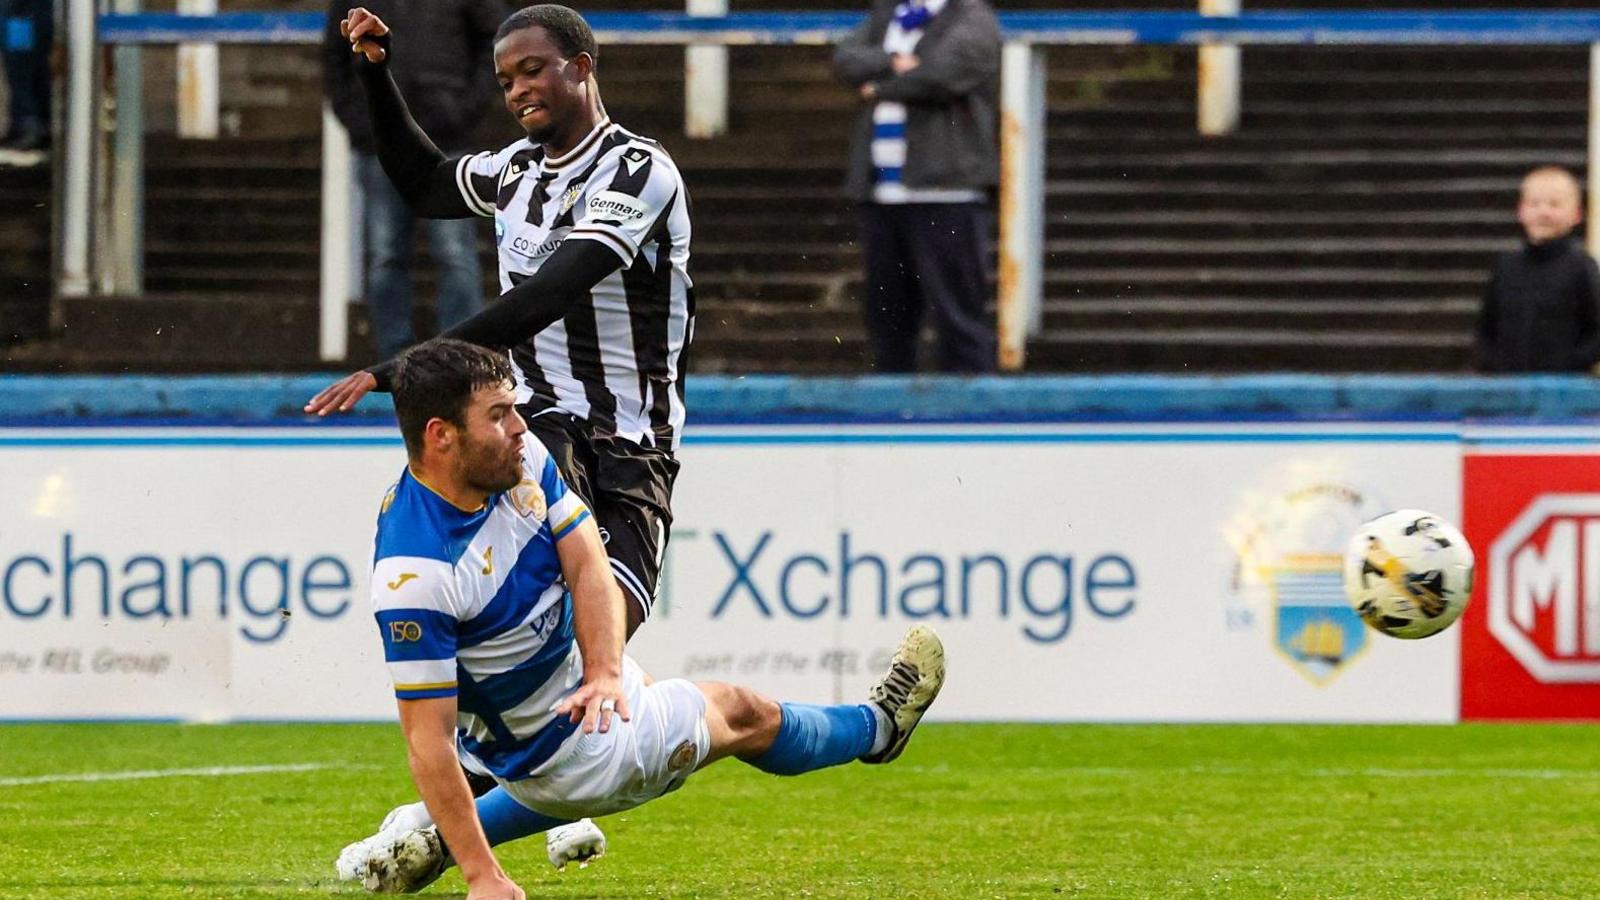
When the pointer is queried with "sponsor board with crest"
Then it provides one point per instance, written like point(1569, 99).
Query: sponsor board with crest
point(1120, 573)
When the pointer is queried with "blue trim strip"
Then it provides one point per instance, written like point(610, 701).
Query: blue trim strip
point(1255, 27)
point(276, 401)
point(208, 440)
point(1532, 441)
point(1265, 437)
point(824, 438)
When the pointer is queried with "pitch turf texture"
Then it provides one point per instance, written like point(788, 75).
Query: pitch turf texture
point(969, 811)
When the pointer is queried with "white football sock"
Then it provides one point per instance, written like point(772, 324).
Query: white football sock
point(880, 737)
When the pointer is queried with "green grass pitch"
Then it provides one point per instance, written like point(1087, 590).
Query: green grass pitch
point(969, 811)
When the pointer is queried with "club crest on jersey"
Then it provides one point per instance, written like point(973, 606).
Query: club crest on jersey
point(527, 499)
point(571, 197)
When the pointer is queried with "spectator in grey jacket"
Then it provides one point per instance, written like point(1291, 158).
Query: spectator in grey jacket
point(923, 167)
point(444, 76)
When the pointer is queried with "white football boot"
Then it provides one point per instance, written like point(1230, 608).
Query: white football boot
point(402, 864)
point(351, 864)
point(906, 691)
point(579, 842)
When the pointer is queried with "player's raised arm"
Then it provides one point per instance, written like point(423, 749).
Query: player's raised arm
point(563, 282)
point(419, 170)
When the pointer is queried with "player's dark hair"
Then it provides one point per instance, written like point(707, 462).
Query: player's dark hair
point(567, 30)
point(436, 380)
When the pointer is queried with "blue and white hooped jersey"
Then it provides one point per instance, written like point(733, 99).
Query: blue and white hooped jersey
point(473, 605)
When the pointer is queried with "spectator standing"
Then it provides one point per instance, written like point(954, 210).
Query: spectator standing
point(924, 164)
point(444, 71)
point(1541, 312)
point(26, 31)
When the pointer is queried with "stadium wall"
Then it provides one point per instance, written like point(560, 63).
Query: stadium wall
point(1101, 549)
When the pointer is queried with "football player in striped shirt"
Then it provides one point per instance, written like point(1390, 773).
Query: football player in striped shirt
point(503, 630)
point(592, 233)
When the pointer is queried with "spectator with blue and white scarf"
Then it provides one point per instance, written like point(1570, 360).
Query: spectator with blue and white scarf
point(924, 165)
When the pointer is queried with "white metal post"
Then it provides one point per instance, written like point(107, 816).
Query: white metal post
point(705, 79)
point(1022, 189)
point(334, 283)
point(126, 210)
point(78, 154)
point(1219, 77)
point(1594, 150)
point(197, 79)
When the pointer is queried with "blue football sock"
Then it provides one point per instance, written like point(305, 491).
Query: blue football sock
point(815, 737)
point(504, 819)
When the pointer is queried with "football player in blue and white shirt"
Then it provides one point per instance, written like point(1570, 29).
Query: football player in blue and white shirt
point(503, 630)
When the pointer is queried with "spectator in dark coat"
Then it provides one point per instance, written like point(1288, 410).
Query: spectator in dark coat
point(1541, 312)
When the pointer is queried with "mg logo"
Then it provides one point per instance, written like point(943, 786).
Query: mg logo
point(1544, 590)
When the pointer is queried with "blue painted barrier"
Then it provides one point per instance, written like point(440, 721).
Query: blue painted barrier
point(277, 399)
point(1256, 27)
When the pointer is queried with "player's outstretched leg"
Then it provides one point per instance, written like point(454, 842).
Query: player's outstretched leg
point(505, 820)
point(805, 738)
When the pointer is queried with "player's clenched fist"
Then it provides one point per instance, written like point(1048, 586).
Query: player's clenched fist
point(367, 34)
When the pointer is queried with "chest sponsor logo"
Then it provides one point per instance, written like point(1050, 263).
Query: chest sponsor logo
point(616, 206)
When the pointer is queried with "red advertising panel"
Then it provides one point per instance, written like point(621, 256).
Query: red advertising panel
point(1530, 644)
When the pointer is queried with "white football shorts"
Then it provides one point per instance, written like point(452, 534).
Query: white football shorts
point(633, 763)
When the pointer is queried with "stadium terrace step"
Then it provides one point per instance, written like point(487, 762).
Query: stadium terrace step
point(271, 331)
point(1423, 317)
point(1377, 251)
point(1134, 136)
point(1301, 283)
point(1197, 350)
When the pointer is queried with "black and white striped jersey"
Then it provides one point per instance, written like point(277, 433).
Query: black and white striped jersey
point(616, 361)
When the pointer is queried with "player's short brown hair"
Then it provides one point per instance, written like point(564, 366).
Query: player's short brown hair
point(436, 380)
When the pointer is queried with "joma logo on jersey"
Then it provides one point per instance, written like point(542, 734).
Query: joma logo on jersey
point(404, 632)
point(396, 584)
point(1544, 588)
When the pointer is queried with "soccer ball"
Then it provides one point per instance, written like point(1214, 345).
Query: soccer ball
point(1408, 573)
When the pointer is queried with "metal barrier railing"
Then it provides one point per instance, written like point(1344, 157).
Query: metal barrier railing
point(1022, 92)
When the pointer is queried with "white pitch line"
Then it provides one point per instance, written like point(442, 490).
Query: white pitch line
point(140, 774)
point(1318, 772)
